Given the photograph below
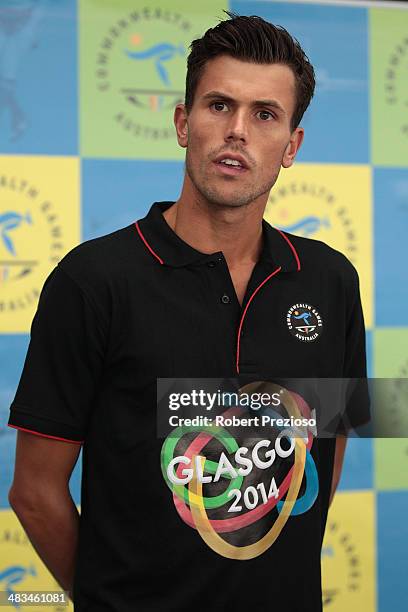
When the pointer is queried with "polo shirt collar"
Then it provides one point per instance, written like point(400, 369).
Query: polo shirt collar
point(168, 247)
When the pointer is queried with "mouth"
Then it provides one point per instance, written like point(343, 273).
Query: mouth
point(231, 165)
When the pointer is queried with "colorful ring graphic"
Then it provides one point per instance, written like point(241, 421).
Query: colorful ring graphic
point(192, 505)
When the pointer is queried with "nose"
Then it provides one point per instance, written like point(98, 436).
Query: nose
point(237, 128)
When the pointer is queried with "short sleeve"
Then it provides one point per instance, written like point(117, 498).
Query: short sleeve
point(357, 409)
point(63, 365)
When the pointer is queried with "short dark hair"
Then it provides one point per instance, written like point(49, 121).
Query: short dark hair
point(252, 39)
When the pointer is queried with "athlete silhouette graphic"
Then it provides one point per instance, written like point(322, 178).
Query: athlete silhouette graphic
point(162, 52)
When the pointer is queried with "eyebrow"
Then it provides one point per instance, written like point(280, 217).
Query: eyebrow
point(219, 94)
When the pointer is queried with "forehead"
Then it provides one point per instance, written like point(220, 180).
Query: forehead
point(247, 81)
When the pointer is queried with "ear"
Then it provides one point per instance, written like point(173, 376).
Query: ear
point(180, 122)
point(296, 139)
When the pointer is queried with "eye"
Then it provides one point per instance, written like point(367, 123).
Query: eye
point(266, 115)
point(216, 105)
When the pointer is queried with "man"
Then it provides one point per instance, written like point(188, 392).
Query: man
point(200, 288)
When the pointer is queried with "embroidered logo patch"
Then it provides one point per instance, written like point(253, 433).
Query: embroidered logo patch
point(304, 322)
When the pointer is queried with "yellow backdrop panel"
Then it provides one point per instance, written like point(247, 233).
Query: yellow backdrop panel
point(348, 554)
point(332, 203)
point(40, 222)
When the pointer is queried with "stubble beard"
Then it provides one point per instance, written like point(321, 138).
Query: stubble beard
point(215, 197)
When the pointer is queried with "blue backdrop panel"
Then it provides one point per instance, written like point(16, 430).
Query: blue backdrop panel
point(13, 349)
point(357, 471)
point(335, 39)
point(38, 78)
point(392, 538)
point(117, 192)
point(391, 245)
point(358, 464)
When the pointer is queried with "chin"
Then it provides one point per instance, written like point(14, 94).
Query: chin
point(235, 200)
point(226, 201)
point(217, 197)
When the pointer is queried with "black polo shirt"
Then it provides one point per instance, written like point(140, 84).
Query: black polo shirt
point(122, 310)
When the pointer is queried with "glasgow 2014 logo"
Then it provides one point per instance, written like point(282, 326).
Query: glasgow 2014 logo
point(239, 496)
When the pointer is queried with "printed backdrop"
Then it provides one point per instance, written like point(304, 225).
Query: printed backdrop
point(87, 91)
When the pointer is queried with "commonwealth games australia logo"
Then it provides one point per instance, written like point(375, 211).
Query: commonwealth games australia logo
point(140, 70)
point(31, 240)
point(304, 322)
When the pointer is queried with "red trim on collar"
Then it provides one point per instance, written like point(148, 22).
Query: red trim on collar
point(37, 433)
point(245, 311)
point(139, 231)
point(292, 247)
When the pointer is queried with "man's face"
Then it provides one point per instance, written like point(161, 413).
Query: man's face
point(241, 111)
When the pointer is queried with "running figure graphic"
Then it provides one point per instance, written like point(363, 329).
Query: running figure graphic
point(162, 52)
point(305, 316)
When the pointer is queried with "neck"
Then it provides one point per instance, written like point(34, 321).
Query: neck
point(209, 228)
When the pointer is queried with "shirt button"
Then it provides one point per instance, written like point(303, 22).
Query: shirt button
point(225, 299)
point(211, 264)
